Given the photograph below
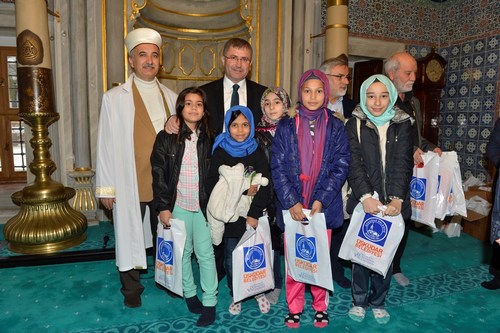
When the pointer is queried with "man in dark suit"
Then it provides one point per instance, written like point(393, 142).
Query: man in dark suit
point(237, 60)
point(222, 94)
point(337, 71)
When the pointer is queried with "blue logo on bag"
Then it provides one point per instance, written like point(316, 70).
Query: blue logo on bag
point(305, 248)
point(374, 229)
point(254, 257)
point(417, 188)
point(165, 251)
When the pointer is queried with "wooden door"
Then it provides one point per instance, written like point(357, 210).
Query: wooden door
point(362, 71)
point(12, 141)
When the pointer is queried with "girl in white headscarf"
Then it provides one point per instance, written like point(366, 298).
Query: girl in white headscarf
point(381, 144)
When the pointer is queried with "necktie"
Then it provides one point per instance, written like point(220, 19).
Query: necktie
point(235, 98)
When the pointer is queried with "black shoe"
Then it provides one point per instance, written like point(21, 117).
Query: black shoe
point(207, 316)
point(194, 305)
point(220, 276)
point(343, 281)
point(491, 285)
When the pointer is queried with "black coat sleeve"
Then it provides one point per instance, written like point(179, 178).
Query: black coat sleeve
point(161, 172)
point(400, 163)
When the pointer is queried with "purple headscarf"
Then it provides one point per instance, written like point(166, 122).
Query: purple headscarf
point(311, 148)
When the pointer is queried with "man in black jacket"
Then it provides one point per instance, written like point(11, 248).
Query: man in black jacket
point(401, 68)
point(337, 71)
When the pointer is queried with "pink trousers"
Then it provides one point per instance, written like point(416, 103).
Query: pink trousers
point(295, 291)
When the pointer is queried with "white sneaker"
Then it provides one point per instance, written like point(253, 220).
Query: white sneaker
point(381, 316)
point(401, 279)
point(235, 308)
point(357, 313)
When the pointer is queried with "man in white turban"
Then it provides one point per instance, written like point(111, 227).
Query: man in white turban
point(131, 116)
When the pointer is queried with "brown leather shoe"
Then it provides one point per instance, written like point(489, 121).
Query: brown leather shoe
point(132, 302)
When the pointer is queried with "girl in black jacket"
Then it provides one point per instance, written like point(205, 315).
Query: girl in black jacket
point(381, 144)
point(180, 165)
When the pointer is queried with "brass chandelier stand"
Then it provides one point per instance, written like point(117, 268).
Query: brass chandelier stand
point(46, 222)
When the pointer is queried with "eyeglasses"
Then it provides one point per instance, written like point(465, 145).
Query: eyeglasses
point(234, 58)
point(340, 76)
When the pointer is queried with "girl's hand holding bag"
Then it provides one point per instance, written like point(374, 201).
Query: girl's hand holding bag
point(168, 259)
point(372, 240)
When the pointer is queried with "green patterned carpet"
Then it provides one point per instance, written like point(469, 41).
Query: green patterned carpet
point(444, 296)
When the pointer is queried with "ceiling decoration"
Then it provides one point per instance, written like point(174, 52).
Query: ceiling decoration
point(216, 18)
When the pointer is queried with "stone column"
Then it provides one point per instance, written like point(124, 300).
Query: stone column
point(78, 46)
point(337, 28)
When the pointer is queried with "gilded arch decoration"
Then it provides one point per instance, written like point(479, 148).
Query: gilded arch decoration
point(194, 33)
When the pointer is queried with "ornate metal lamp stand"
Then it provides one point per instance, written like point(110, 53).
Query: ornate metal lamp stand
point(46, 222)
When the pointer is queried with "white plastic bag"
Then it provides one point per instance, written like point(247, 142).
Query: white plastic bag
point(450, 198)
point(423, 189)
point(452, 230)
point(168, 260)
point(253, 262)
point(479, 205)
point(372, 240)
point(458, 203)
point(307, 250)
point(446, 167)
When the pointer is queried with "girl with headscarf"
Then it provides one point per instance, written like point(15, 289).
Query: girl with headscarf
point(275, 104)
point(238, 145)
point(309, 162)
point(381, 144)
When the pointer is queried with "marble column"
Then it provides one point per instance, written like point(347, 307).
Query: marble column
point(337, 28)
point(115, 43)
point(79, 105)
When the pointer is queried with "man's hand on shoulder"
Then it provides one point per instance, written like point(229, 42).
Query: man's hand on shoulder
point(172, 125)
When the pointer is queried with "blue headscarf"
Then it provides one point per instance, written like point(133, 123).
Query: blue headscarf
point(393, 97)
point(230, 145)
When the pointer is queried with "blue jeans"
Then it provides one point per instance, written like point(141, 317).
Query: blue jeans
point(229, 246)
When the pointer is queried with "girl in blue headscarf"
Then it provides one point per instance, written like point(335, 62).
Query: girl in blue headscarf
point(381, 144)
point(238, 145)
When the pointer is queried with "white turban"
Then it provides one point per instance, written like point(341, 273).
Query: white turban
point(142, 36)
